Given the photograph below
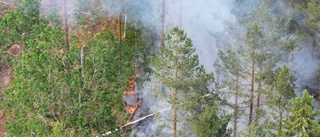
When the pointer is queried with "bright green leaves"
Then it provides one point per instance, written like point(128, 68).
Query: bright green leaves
point(313, 13)
point(42, 100)
point(302, 121)
point(31, 7)
point(209, 124)
point(177, 68)
point(284, 83)
point(37, 85)
point(253, 36)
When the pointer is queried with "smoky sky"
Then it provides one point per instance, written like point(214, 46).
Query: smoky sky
point(200, 19)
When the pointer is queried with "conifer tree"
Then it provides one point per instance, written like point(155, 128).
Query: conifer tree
point(178, 69)
point(263, 45)
point(283, 92)
point(233, 70)
point(301, 121)
point(39, 98)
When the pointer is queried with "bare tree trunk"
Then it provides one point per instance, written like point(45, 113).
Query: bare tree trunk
point(82, 61)
point(258, 96)
point(235, 113)
point(280, 108)
point(119, 21)
point(318, 86)
point(180, 14)
point(175, 101)
point(162, 22)
point(251, 94)
point(217, 77)
point(125, 18)
point(141, 119)
point(133, 122)
point(175, 114)
point(65, 22)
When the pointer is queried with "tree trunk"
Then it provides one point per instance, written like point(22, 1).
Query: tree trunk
point(119, 22)
point(318, 86)
point(217, 75)
point(259, 95)
point(175, 99)
point(180, 14)
point(125, 18)
point(235, 113)
point(65, 22)
point(175, 113)
point(251, 94)
point(82, 61)
point(162, 23)
point(280, 108)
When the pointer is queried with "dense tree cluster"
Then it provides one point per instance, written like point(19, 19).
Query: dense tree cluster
point(74, 67)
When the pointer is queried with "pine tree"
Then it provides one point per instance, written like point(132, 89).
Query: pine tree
point(280, 97)
point(263, 45)
point(178, 69)
point(232, 69)
point(39, 98)
point(301, 121)
point(162, 22)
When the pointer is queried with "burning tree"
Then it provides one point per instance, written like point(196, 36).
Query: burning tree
point(178, 70)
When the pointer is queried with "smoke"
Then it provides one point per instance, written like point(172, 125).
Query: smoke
point(200, 19)
point(305, 66)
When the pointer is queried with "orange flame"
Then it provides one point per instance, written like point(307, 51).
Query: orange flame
point(135, 76)
point(130, 121)
point(131, 92)
point(139, 103)
point(131, 84)
point(131, 109)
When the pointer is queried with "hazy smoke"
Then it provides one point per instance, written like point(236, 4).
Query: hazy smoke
point(200, 19)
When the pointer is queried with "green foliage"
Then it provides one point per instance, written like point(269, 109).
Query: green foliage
point(178, 69)
point(31, 7)
point(284, 83)
point(250, 61)
point(313, 13)
point(59, 131)
point(212, 123)
point(17, 27)
point(301, 121)
point(41, 98)
point(277, 100)
point(252, 131)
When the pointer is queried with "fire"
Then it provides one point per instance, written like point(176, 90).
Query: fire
point(132, 86)
point(139, 103)
point(135, 76)
point(131, 110)
point(131, 92)
point(130, 121)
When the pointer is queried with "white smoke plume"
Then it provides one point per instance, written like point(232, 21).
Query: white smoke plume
point(200, 19)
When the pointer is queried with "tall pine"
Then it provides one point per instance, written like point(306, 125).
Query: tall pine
point(177, 68)
point(302, 120)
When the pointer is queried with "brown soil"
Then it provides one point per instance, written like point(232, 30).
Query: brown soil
point(6, 76)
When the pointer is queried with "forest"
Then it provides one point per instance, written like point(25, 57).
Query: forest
point(149, 68)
